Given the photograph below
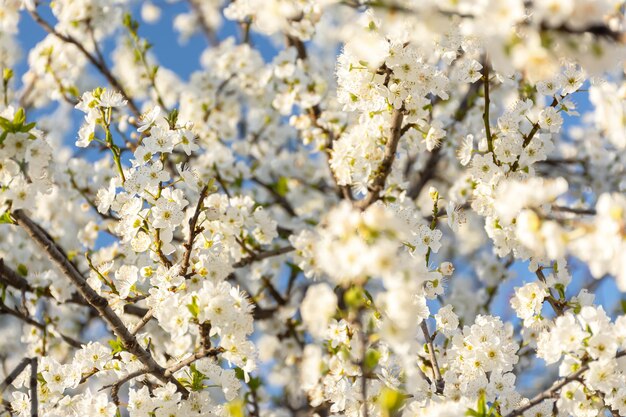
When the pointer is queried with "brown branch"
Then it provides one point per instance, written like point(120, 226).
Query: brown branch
point(276, 295)
point(384, 169)
point(529, 137)
point(142, 322)
point(558, 306)
point(93, 298)
point(426, 174)
point(159, 251)
point(169, 372)
point(115, 387)
point(439, 382)
point(554, 389)
point(14, 374)
point(280, 199)
point(89, 200)
point(12, 279)
point(194, 230)
point(584, 211)
point(601, 31)
point(34, 403)
point(202, 353)
point(258, 256)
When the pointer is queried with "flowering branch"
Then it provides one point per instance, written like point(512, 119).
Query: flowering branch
point(439, 382)
point(93, 298)
point(41, 326)
point(384, 169)
point(194, 230)
point(554, 389)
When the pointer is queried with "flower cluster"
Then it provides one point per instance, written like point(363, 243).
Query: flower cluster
point(347, 208)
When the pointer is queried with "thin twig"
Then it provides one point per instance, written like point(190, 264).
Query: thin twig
point(14, 374)
point(529, 137)
point(12, 279)
point(142, 322)
point(258, 256)
point(100, 65)
point(41, 326)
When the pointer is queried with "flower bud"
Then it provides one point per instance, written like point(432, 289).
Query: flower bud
point(433, 193)
point(446, 268)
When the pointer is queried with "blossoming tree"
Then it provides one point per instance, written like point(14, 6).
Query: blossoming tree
point(327, 231)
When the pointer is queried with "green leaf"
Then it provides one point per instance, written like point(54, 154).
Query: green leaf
point(561, 290)
point(354, 298)
point(194, 309)
point(22, 270)
point(28, 127)
point(197, 379)
point(254, 383)
point(172, 118)
point(5, 218)
point(282, 186)
point(20, 117)
point(7, 74)
point(5, 124)
point(239, 374)
point(372, 356)
point(390, 401)
point(116, 345)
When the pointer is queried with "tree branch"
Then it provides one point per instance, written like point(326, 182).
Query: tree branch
point(554, 389)
point(193, 231)
point(259, 256)
point(34, 403)
point(41, 326)
point(14, 374)
point(439, 382)
point(384, 169)
point(93, 298)
point(529, 137)
point(12, 279)
point(486, 119)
